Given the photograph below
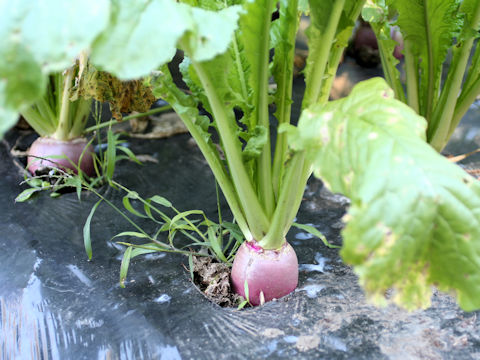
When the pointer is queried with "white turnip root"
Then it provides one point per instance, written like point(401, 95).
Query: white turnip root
point(49, 148)
point(270, 274)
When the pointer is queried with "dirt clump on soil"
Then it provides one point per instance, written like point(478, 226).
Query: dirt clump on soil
point(213, 280)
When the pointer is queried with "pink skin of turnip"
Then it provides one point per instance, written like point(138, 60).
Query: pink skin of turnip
point(45, 147)
point(270, 274)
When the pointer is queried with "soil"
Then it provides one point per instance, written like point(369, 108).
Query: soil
point(213, 280)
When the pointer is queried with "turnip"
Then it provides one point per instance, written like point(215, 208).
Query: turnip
point(269, 274)
point(366, 47)
point(62, 154)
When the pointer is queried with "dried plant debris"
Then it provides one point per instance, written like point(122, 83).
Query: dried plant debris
point(213, 279)
point(123, 96)
point(165, 125)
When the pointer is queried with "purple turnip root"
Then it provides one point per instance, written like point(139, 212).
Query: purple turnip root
point(44, 148)
point(366, 45)
point(270, 274)
point(365, 38)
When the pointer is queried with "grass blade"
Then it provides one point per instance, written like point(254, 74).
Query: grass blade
point(132, 233)
point(190, 265)
point(86, 231)
point(26, 194)
point(124, 266)
point(311, 230)
point(161, 201)
point(129, 207)
point(215, 243)
point(130, 155)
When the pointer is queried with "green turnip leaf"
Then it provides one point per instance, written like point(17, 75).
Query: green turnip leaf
point(144, 35)
point(430, 27)
point(324, 28)
point(254, 39)
point(414, 218)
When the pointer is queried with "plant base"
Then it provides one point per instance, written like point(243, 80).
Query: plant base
point(269, 274)
point(45, 152)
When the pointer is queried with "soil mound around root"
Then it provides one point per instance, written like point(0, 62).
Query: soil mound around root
point(213, 280)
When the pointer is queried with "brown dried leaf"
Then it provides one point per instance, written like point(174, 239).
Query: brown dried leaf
point(123, 96)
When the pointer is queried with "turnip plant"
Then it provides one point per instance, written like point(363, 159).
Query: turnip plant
point(442, 60)
point(60, 123)
point(413, 219)
point(264, 190)
point(46, 77)
point(37, 71)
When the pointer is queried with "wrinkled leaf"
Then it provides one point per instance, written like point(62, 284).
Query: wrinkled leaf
point(257, 140)
point(414, 219)
point(183, 104)
point(205, 41)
